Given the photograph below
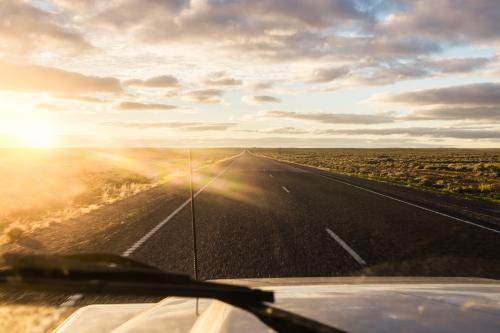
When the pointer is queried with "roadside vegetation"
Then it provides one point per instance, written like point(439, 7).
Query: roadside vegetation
point(40, 187)
point(470, 173)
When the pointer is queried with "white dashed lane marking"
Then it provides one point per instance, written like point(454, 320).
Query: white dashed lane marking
point(346, 247)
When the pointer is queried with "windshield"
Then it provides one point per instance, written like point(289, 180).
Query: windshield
point(249, 139)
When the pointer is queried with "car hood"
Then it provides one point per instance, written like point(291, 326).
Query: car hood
point(351, 304)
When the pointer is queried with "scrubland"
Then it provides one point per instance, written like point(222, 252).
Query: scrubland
point(470, 173)
point(40, 187)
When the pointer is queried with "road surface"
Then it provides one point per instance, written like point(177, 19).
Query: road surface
point(264, 218)
point(259, 217)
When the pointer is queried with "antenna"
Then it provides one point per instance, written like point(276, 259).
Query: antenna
point(193, 223)
point(193, 216)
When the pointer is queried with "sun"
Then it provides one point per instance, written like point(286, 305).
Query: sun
point(39, 135)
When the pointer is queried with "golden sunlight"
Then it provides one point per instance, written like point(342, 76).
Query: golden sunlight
point(40, 135)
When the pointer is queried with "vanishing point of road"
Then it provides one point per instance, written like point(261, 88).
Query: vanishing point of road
point(259, 217)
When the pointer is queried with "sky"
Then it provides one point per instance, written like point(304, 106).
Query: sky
point(277, 73)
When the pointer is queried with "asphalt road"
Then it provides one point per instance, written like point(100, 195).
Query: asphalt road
point(265, 218)
point(258, 217)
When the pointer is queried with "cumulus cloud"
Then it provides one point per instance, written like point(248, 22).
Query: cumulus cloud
point(144, 106)
point(292, 30)
point(221, 79)
point(331, 118)
point(384, 74)
point(324, 75)
point(260, 99)
point(25, 27)
point(34, 78)
point(390, 72)
point(138, 15)
point(182, 125)
point(284, 30)
point(477, 94)
point(459, 65)
point(351, 43)
point(264, 85)
point(419, 132)
point(205, 96)
point(216, 19)
point(162, 81)
point(259, 30)
point(447, 20)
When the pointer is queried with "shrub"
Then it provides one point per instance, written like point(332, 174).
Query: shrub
point(14, 233)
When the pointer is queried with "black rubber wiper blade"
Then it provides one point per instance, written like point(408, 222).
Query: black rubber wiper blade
point(70, 274)
point(110, 259)
point(80, 260)
point(81, 267)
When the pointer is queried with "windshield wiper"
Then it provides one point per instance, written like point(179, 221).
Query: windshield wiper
point(115, 275)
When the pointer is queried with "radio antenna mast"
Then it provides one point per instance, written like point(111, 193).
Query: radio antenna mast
point(193, 223)
point(193, 216)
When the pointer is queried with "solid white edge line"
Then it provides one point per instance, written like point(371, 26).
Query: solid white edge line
point(392, 198)
point(144, 238)
point(285, 189)
point(71, 300)
point(412, 204)
point(346, 247)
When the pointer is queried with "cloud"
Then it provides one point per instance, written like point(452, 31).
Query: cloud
point(160, 20)
point(459, 65)
point(221, 79)
point(260, 99)
point(286, 130)
point(81, 98)
point(475, 102)
point(171, 93)
point(447, 20)
point(261, 141)
point(182, 125)
point(396, 70)
point(162, 81)
point(50, 107)
point(284, 30)
point(477, 94)
point(139, 15)
point(24, 27)
point(324, 75)
point(257, 30)
point(34, 78)
point(264, 85)
point(331, 118)
point(144, 106)
point(205, 96)
point(383, 74)
point(292, 30)
point(418, 132)
point(457, 113)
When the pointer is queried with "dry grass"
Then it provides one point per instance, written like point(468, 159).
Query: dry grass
point(39, 187)
point(471, 173)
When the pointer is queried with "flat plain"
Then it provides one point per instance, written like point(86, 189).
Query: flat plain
point(468, 173)
point(44, 187)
